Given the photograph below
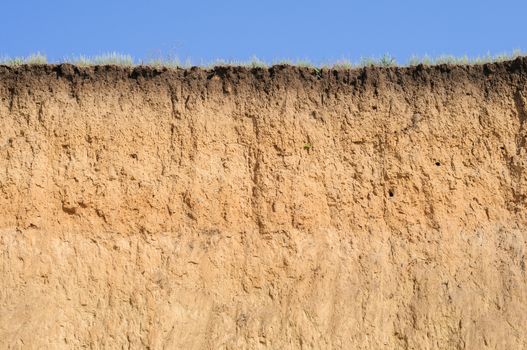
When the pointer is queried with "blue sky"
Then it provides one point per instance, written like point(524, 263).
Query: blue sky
point(271, 30)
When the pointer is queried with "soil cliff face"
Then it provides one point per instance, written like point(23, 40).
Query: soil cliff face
point(281, 208)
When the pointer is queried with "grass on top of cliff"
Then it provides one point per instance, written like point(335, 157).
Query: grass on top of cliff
point(386, 60)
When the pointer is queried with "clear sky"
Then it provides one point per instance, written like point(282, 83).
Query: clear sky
point(204, 30)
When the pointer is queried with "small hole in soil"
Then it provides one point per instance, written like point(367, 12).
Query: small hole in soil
point(390, 193)
point(133, 155)
point(502, 147)
point(438, 163)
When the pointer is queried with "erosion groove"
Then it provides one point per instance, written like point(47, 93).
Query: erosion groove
point(279, 208)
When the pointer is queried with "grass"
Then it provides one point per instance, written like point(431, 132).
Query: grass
point(170, 62)
point(36, 58)
point(464, 60)
point(254, 62)
point(111, 58)
point(386, 60)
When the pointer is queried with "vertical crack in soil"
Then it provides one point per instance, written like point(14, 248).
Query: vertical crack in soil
point(521, 112)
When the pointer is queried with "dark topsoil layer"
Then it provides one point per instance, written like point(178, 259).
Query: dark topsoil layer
point(328, 79)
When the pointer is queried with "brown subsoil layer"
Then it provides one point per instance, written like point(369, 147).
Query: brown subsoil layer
point(280, 208)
